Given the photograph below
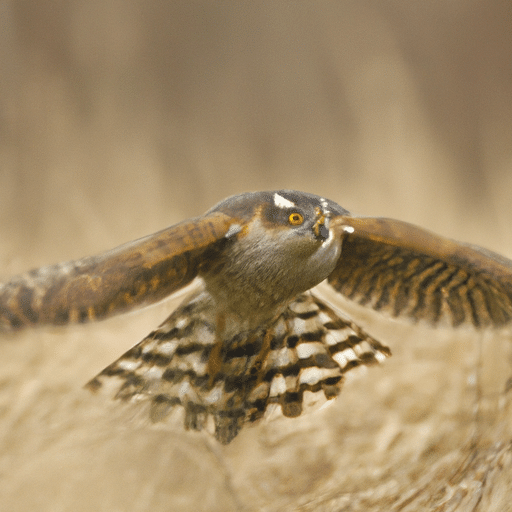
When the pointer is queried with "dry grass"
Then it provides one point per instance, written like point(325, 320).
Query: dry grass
point(118, 119)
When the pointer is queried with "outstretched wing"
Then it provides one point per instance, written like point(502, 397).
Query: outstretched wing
point(407, 271)
point(134, 274)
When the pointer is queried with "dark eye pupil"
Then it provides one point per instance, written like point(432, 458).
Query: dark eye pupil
point(296, 219)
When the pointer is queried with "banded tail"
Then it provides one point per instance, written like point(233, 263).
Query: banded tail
point(220, 385)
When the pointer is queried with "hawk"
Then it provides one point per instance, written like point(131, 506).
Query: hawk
point(255, 338)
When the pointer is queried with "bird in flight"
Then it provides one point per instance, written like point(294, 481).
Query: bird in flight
point(254, 338)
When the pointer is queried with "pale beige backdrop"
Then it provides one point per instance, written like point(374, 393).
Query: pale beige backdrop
point(120, 118)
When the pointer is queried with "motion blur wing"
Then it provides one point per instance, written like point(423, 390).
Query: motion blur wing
point(134, 274)
point(407, 271)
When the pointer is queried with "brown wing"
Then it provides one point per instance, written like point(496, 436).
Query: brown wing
point(407, 271)
point(134, 274)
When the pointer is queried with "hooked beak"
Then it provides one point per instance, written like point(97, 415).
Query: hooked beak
point(321, 226)
point(327, 224)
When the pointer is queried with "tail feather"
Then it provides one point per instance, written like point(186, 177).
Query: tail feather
point(300, 357)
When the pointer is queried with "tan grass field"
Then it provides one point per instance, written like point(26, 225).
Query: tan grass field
point(118, 119)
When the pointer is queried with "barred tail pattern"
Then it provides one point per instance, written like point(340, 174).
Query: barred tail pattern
point(220, 385)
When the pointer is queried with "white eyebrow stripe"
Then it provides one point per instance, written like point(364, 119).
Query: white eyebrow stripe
point(282, 202)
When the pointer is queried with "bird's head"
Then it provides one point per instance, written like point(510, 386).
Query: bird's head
point(282, 240)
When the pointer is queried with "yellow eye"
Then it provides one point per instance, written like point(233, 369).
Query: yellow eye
point(295, 219)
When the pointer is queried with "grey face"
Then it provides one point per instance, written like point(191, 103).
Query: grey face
point(282, 247)
point(309, 202)
point(245, 205)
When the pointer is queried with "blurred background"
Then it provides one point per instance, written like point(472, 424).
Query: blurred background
point(118, 119)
